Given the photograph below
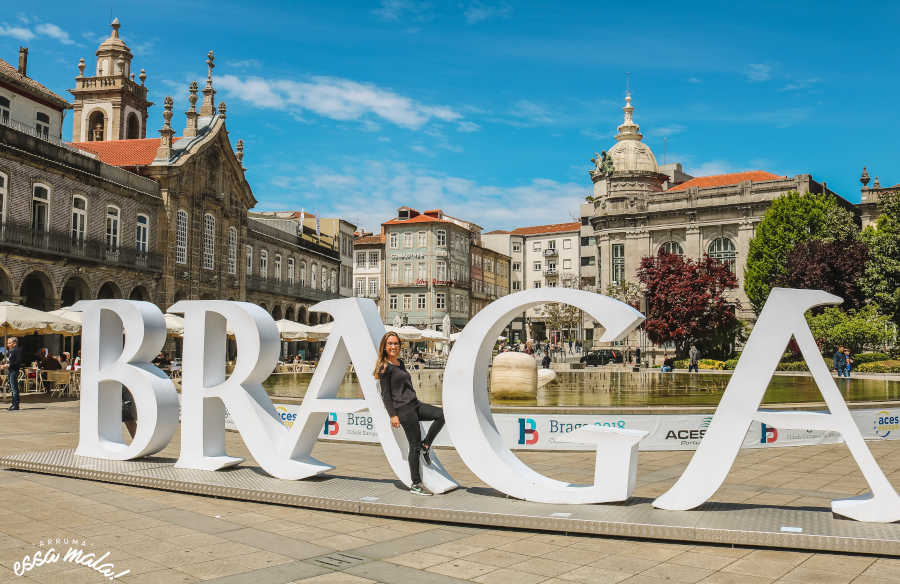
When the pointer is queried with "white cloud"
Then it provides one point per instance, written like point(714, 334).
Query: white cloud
point(800, 84)
point(477, 12)
point(404, 10)
point(17, 32)
point(528, 113)
point(711, 167)
point(54, 32)
point(244, 64)
point(669, 130)
point(467, 127)
point(757, 72)
point(694, 80)
point(389, 185)
point(335, 98)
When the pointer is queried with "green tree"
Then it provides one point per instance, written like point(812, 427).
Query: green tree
point(881, 280)
point(791, 219)
point(560, 317)
point(858, 330)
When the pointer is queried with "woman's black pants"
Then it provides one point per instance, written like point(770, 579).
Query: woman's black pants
point(410, 416)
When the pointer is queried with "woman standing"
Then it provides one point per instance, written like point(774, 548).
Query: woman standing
point(405, 409)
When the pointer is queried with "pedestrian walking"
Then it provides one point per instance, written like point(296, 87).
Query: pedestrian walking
point(12, 366)
point(405, 409)
point(694, 355)
point(545, 362)
point(637, 356)
point(839, 361)
point(848, 363)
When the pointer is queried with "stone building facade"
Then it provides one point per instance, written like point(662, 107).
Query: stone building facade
point(490, 277)
point(159, 219)
point(639, 209)
point(368, 270)
point(428, 268)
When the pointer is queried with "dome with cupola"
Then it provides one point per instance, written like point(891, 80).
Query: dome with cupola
point(630, 153)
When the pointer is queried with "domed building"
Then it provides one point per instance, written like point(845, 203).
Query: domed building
point(639, 208)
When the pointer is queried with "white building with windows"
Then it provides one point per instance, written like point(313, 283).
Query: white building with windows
point(368, 269)
point(639, 208)
point(540, 256)
point(26, 105)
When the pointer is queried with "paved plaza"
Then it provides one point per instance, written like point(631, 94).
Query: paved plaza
point(170, 537)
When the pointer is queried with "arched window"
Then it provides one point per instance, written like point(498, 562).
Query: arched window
point(313, 272)
point(278, 267)
point(671, 247)
point(96, 126)
point(4, 110)
point(142, 234)
point(303, 273)
point(79, 219)
point(133, 127)
point(333, 280)
point(324, 278)
point(248, 253)
point(263, 263)
point(209, 242)
point(113, 218)
point(723, 249)
point(181, 229)
point(42, 125)
point(290, 269)
point(40, 208)
point(232, 250)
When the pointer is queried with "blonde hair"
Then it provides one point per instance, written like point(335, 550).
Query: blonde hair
point(382, 363)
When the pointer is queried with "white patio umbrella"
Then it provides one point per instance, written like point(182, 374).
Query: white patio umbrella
point(319, 332)
point(292, 331)
point(174, 325)
point(16, 319)
point(433, 335)
point(67, 313)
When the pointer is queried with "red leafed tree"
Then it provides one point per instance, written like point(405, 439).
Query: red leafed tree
point(833, 266)
point(686, 303)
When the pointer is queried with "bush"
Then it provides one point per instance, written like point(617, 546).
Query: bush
point(868, 358)
point(885, 366)
point(711, 364)
point(682, 363)
point(731, 363)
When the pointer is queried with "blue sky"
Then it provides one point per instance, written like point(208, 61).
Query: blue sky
point(492, 110)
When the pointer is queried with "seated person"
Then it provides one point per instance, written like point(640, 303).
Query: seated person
point(161, 361)
point(668, 364)
point(48, 361)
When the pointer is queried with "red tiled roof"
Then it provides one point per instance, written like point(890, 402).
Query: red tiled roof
point(369, 239)
point(416, 219)
point(12, 73)
point(497, 231)
point(124, 152)
point(721, 180)
point(552, 228)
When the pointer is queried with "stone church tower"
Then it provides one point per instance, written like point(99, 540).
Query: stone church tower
point(110, 105)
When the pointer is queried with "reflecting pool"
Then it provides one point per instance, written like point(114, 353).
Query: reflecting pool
point(622, 388)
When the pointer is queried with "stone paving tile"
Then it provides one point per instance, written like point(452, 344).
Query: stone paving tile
point(335, 578)
point(508, 576)
point(803, 575)
point(455, 549)
point(544, 567)
point(407, 543)
point(281, 574)
point(726, 578)
point(388, 573)
point(270, 542)
point(419, 559)
point(699, 559)
point(498, 558)
point(595, 575)
point(461, 568)
point(677, 573)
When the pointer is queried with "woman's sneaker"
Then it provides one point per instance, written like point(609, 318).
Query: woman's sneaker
point(426, 454)
point(418, 489)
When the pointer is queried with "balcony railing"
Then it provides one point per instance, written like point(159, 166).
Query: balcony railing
point(296, 290)
point(551, 252)
point(551, 272)
point(62, 244)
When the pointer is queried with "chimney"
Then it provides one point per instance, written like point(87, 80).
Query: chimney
point(23, 61)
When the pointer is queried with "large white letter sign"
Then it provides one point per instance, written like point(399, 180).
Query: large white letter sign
point(356, 332)
point(107, 364)
point(206, 392)
point(468, 411)
point(781, 317)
